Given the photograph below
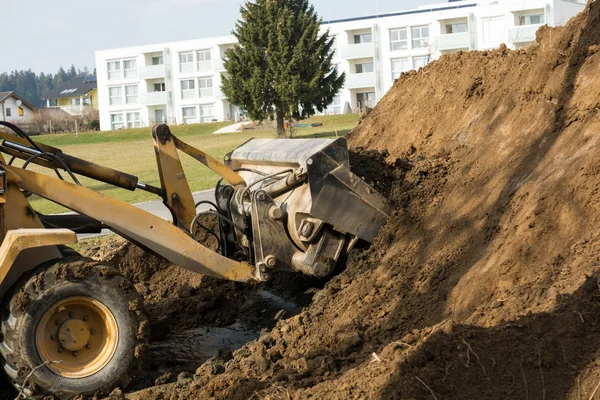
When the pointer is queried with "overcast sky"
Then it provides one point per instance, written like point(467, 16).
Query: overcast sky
point(42, 34)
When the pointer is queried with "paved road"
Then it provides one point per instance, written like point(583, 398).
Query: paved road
point(157, 208)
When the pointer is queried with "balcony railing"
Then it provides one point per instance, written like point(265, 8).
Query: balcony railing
point(153, 98)
point(355, 81)
point(152, 72)
point(453, 41)
point(523, 33)
point(205, 66)
point(219, 95)
point(361, 50)
point(74, 109)
point(218, 65)
point(207, 92)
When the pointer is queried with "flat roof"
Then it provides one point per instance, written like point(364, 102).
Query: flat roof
point(420, 10)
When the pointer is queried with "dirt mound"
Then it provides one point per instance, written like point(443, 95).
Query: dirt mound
point(485, 282)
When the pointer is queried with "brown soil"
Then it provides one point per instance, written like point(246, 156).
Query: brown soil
point(184, 306)
point(485, 281)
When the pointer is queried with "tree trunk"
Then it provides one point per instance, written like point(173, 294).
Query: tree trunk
point(280, 124)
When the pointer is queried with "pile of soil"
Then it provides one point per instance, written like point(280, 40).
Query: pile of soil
point(485, 282)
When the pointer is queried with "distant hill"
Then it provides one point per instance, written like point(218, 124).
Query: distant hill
point(32, 87)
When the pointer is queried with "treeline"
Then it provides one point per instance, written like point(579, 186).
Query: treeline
point(33, 87)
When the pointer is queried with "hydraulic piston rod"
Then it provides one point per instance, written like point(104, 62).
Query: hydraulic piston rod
point(76, 165)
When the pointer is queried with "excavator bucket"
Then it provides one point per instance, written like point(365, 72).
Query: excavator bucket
point(336, 195)
point(325, 208)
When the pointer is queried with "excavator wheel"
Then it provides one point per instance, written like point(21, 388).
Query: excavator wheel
point(73, 327)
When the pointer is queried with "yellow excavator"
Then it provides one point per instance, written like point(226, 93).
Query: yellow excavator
point(73, 326)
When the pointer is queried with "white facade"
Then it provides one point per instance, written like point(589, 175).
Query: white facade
point(180, 82)
point(13, 109)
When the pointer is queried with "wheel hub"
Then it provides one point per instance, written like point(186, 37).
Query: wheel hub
point(78, 332)
point(74, 334)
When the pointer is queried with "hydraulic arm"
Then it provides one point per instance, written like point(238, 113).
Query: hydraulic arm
point(290, 204)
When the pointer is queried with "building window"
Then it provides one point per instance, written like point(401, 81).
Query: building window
point(206, 87)
point(399, 39)
point(531, 19)
point(160, 116)
point(159, 87)
point(207, 113)
point(363, 38)
point(53, 103)
point(335, 106)
point(134, 120)
point(186, 62)
point(419, 62)
point(365, 99)
point(399, 66)
point(420, 37)
point(76, 102)
point(87, 101)
point(131, 94)
point(204, 60)
point(114, 70)
point(8, 112)
point(158, 60)
point(116, 121)
point(188, 89)
point(189, 115)
point(21, 112)
point(363, 68)
point(115, 95)
point(130, 68)
point(461, 27)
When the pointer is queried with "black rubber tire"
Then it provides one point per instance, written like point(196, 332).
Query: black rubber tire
point(37, 292)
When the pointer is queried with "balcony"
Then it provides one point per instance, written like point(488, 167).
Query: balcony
point(206, 92)
point(153, 98)
point(219, 95)
point(152, 72)
point(218, 65)
point(355, 81)
point(75, 109)
point(205, 66)
point(523, 33)
point(353, 51)
point(453, 41)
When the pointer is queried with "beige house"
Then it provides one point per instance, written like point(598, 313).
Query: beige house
point(15, 109)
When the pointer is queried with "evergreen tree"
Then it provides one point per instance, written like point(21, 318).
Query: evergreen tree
point(282, 67)
point(60, 77)
point(72, 72)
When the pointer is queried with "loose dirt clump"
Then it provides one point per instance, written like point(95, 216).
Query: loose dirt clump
point(485, 282)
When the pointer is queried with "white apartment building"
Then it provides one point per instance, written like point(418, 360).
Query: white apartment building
point(179, 82)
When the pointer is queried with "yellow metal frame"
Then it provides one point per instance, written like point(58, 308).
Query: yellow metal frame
point(178, 196)
point(148, 230)
point(15, 241)
point(79, 331)
point(170, 241)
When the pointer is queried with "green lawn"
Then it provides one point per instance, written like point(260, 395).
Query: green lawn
point(132, 151)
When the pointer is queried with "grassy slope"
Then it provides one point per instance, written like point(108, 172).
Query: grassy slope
point(132, 151)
